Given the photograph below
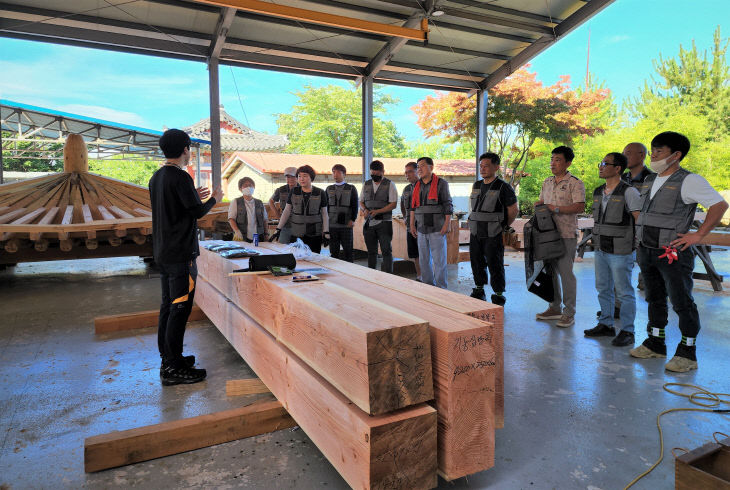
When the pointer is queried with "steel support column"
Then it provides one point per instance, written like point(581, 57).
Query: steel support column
point(481, 146)
point(2, 181)
point(367, 126)
point(197, 165)
point(215, 123)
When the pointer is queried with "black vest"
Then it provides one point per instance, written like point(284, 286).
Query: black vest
point(338, 205)
point(405, 204)
point(487, 212)
point(379, 199)
point(430, 213)
point(306, 220)
point(613, 230)
point(242, 216)
point(665, 215)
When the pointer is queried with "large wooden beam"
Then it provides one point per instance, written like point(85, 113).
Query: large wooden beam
point(316, 17)
point(395, 450)
point(376, 355)
point(168, 438)
point(140, 319)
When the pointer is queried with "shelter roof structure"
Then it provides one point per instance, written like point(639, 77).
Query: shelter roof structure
point(237, 136)
point(470, 44)
point(42, 126)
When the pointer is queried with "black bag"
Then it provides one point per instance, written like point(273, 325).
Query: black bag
point(542, 284)
point(262, 262)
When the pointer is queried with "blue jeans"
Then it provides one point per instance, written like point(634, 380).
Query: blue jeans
point(613, 271)
point(432, 246)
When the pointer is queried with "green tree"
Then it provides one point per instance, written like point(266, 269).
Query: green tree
point(441, 149)
point(132, 171)
point(31, 155)
point(327, 121)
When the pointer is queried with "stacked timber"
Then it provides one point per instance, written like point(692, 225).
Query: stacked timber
point(77, 214)
point(463, 345)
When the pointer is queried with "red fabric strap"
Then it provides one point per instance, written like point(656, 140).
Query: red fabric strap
point(432, 191)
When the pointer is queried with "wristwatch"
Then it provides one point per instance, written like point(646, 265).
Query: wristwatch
point(557, 210)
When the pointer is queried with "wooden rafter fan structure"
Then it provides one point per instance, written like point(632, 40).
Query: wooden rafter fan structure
point(77, 214)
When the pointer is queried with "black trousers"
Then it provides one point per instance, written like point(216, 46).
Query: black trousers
point(314, 242)
point(487, 253)
point(381, 234)
point(178, 289)
point(662, 279)
point(341, 237)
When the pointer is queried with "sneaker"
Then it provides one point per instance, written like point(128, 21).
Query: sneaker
point(189, 362)
point(565, 321)
point(185, 375)
point(600, 330)
point(680, 364)
point(478, 293)
point(499, 299)
point(623, 339)
point(549, 314)
point(643, 352)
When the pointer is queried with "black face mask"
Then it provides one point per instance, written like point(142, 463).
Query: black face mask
point(376, 178)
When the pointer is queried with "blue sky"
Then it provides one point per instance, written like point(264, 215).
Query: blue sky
point(155, 92)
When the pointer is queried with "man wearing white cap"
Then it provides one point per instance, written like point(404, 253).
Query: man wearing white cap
point(277, 203)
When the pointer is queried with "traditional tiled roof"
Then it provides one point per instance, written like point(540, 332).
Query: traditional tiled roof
point(275, 163)
point(240, 137)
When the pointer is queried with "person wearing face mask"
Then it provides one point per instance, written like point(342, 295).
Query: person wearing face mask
point(378, 200)
point(278, 201)
point(430, 222)
point(247, 215)
point(342, 211)
point(669, 200)
point(616, 206)
point(411, 175)
point(307, 211)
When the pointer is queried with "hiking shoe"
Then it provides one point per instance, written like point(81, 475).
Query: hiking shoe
point(680, 364)
point(185, 375)
point(643, 352)
point(623, 339)
point(498, 299)
point(188, 360)
point(565, 321)
point(549, 314)
point(600, 330)
point(478, 293)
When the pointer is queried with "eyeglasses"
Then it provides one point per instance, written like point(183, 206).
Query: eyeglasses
point(605, 164)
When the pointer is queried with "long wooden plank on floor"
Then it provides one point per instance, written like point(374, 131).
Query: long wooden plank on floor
point(140, 319)
point(376, 355)
point(395, 450)
point(450, 300)
point(251, 386)
point(155, 441)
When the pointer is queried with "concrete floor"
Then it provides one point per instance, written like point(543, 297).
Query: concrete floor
point(579, 412)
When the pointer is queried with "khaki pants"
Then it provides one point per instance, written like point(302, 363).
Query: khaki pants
point(563, 267)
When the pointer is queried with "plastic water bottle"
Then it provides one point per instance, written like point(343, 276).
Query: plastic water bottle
point(255, 239)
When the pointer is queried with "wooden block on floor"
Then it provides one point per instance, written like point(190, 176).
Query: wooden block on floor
point(491, 313)
point(238, 387)
point(131, 321)
point(395, 450)
point(168, 438)
point(376, 355)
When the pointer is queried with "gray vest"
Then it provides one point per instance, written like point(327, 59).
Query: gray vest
point(665, 215)
point(547, 241)
point(406, 199)
point(429, 214)
point(242, 216)
point(613, 230)
point(306, 220)
point(379, 199)
point(283, 198)
point(338, 205)
point(488, 211)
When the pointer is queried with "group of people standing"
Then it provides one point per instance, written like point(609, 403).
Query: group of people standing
point(642, 215)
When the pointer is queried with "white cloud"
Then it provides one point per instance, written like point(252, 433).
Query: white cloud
point(105, 113)
point(618, 38)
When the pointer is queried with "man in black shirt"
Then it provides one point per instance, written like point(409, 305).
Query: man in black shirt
point(493, 207)
point(176, 207)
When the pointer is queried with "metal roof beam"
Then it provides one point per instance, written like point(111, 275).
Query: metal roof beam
point(387, 52)
point(466, 52)
point(573, 21)
point(497, 21)
point(221, 31)
point(504, 10)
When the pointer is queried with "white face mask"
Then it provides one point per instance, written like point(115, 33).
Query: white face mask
point(660, 166)
point(247, 191)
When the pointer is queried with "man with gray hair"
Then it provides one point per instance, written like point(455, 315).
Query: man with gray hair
point(635, 154)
